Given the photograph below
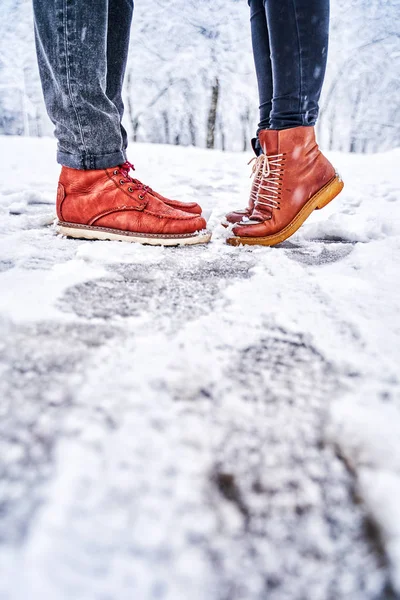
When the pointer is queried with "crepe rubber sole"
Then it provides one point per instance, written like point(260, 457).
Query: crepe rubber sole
point(88, 232)
point(319, 200)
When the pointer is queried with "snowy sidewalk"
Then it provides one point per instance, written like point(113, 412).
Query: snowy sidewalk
point(211, 423)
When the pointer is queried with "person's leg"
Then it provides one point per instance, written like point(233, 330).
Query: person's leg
point(290, 43)
point(118, 34)
point(82, 51)
point(298, 37)
point(72, 50)
point(296, 178)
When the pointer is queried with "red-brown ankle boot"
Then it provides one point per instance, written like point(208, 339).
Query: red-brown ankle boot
point(106, 204)
point(296, 178)
point(189, 207)
point(237, 215)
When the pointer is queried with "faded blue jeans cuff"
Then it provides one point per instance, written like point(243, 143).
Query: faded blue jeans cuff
point(91, 161)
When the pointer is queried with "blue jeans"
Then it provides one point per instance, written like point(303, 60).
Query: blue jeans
point(290, 43)
point(82, 49)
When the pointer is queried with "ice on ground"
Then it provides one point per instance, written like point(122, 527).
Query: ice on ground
point(183, 396)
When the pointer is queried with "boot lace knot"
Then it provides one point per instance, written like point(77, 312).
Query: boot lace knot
point(123, 170)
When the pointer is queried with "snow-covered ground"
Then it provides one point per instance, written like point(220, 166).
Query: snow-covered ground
point(211, 423)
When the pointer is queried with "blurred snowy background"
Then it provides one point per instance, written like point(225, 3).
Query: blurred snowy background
point(190, 78)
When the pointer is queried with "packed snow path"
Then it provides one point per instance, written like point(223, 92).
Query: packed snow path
point(209, 423)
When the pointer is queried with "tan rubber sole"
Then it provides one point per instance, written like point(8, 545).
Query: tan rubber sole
point(88, 232)
point(319, 200)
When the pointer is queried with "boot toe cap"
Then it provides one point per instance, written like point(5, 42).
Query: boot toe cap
point(188, 207)
point(236, 216)
point(251, 229)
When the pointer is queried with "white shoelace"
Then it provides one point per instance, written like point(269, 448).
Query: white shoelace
point(270, 181)
point(256, 172)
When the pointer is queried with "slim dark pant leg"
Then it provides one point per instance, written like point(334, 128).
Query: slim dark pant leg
point(262, 59)
point(71, 41)
point(298, 37)
point(118, 33)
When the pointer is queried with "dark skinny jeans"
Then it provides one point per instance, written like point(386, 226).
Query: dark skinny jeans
point(290, 43)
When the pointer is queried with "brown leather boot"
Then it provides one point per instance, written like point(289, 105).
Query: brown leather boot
point(107, 204)
point(296, 179)
point(237, 215)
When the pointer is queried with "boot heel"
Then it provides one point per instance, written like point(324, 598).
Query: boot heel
point(330, 192)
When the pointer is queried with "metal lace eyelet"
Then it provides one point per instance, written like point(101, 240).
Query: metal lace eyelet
point(115, 172)
point(141, 197)
point(130, 189)
point(121, 181)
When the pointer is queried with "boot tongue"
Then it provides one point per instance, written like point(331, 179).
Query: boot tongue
point(255, 144)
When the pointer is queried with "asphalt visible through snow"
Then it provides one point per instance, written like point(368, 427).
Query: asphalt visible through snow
point(145, 454)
